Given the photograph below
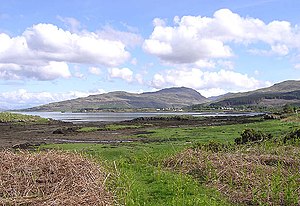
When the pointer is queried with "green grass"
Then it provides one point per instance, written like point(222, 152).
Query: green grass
point(89, 129)
point(222, 134)
point(21, 118)
point(156, 186)
point(120, 126)
point(110, 127)
point(139, 177)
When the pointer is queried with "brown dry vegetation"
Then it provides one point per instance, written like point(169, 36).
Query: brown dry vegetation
point(292, 118)
point(251, 177)
point(51, 178)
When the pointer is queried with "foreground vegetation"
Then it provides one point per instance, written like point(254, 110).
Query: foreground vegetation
point(259, 175)
point(203, 165)
point(51, 178)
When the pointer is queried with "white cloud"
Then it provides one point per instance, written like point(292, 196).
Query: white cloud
point(52, 70)
point(124, 73)
point(203, 63)
point(215, 82)
point(159, 81)
point(256, 72)
point(42, 50)
point(297, 66)
point(139, 78)
point(79, 75)
point(195, 38)
point(22, 98)
point(54, 43)
point(95, 70)
point(226, 64)
point(159, 22)
point(134, 61)
point(280, 49)
point(212, 92)
point(157, 47)
point(127, 38)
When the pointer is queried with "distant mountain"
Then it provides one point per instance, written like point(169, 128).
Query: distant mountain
point(220, 97)
point(166, 98)
point(287, 92)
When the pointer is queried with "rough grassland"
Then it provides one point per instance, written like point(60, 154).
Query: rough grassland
point(249, 176)
point(51, 178)
point(174, 168)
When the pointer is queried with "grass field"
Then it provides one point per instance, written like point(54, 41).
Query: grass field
point(153, 173)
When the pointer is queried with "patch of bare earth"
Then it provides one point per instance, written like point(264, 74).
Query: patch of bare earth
point(249, 178)
point(51, 178)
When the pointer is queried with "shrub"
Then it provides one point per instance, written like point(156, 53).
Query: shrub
point(292, 136)
point(251, 135)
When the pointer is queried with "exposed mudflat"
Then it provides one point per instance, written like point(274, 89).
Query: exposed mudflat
point(26, 135)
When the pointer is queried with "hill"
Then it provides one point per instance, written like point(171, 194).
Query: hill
point(176, 97)
point(287, 92)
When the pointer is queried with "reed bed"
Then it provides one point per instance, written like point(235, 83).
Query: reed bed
point(51, 178)
point(252, 177)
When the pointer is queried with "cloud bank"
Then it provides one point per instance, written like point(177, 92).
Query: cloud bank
point(23, 99)
point(124, 73)
point(208, 83)
point(43, 52)
point(201, 49)
point(194, 38)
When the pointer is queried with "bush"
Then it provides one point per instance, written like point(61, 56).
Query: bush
point(292, 136)
point(251, 135)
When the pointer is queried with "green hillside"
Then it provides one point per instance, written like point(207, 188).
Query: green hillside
point(165, 98)
point(278, 95)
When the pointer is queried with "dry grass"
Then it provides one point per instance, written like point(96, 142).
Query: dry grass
point(292, 118)
point(253, 177)
point(51, 178)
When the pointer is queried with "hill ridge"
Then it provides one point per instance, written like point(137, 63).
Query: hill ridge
point(174, 97)
point(279, 94)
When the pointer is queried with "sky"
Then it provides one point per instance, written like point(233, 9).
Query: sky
point(56, 50)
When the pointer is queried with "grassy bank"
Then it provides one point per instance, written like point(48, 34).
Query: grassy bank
point(153, 173)
point(8, 117)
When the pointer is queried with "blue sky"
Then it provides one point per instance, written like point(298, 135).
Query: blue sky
point(58, 50)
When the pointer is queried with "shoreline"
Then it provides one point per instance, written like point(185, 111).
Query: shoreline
point(28, 135)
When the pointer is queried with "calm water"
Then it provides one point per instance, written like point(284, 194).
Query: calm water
point(114, 117)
